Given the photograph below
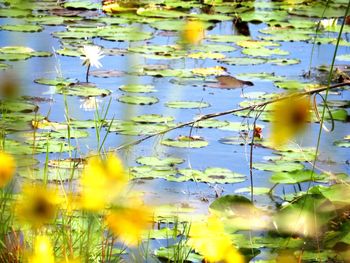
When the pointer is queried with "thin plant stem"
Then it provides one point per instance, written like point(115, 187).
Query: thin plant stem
point(87, 72)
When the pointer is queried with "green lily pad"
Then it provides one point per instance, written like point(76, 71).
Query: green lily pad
point(264, 52)
point(317, 9)
point(228, 203)
point(106, 73)
point(152, 118)
point(151, 172)
point(226, 38)
point(172, 254)
point(297, 176)
point(51, 146)
point(257, 44)
point(283, 62)
point(187, 104)
point(14, 12)
point(14, 57)
point(263, 16)
point(221, 176)
point(342, 143)
point(82, 5)
point(69, 52)
point(307, 156)
point(261, 76)
point(213, 48)
point(22, 28)
point(129, 36)
point(46, 20)
point(278, 166)
point(138, 100)
point(137, 88)
point(55, 82)
point(243, 61)
point(154, 161)
point(18, 106)
point(185, 142)
point(211, 17)
point(4, 66)
point(69, 163)
point(162, 13)
point(212, 123)
point(164, 233)
point(345, 57)
point(136, 129)
point(82, 90)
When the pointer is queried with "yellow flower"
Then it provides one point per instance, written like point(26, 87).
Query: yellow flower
point(38, 205)
point(193, 32)
point(7, 168)
point(210, 240)
point(43, 251)
point(128, 223)
point(289, 118)
point(102, 181)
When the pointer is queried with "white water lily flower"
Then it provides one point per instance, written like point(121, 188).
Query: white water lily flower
point(91, 56)
point(327, 23)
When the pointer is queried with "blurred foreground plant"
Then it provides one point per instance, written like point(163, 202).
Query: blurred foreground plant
point(289, 118)
point(193, 32)
point(7, 168)
point(210, 240)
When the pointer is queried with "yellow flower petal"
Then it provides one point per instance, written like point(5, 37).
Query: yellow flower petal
point(43, 251)
point(7, 168)
point(102, 181)
point(129, 223)
point(289, 118)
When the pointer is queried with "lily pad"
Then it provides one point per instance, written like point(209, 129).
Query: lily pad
point(137, 88)
point(278, 166)
point(297, 176)
point(82, 90)
point(154, 161)
point(187, 104)
point(22, 28)
point(264, 52)
point(243, 61)
point(152, 118)
point(185, 142)
point(138, 100)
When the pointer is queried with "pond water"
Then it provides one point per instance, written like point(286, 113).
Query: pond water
point(193, 87)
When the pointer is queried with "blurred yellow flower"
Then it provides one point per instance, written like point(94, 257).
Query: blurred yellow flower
point(102, 180)
point(210, 240)
point(43, 251)
point(7, 168)
point(289, 117)
point(128, 223)
point(38, 205)
point(193, 32)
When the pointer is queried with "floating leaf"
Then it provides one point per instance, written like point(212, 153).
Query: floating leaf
point(137, 88)
point(278, 166)
point(185, 142)
point(82, 90)
point(138, 100)
point(187, 104)
point(152, 118)
point(22, 28)
point(154, 161)
point(297, 176)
